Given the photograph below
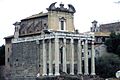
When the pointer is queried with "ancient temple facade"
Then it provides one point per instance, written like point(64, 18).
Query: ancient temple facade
point(48, 44)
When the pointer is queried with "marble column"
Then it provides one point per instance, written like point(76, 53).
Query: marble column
point(86, 58)
point(56, 55)
point(44, 59)
point(50, 59)
point(64, 57)
point(93, 59)
point(79, 62)
point(72, 58)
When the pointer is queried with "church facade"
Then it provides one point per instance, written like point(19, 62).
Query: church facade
point(47, 44)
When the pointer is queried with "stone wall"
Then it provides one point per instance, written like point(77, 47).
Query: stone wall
point(2, 72)
point(54, 21)
point(24, 59)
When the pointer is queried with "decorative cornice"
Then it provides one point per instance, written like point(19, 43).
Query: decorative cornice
point(52, 7)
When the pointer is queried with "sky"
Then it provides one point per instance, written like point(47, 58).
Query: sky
point(104, 11)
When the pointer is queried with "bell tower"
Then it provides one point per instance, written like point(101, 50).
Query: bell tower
point(60, 18)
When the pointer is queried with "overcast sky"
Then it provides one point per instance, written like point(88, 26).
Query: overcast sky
point(104, 11)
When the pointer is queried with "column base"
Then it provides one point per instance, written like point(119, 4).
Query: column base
point(79, 73)
point(72, 73)
point(86, 73)
point(93, 74)
point(44, 74)
point(50, 74)
point(57, 74)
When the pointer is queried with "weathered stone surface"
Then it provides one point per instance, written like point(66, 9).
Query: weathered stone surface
point(24, 59)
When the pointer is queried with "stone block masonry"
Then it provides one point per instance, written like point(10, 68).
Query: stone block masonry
point(24, 59)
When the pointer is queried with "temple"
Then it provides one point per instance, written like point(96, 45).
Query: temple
point(48, 44)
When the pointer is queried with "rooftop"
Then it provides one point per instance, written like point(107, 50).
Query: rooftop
point(110, 24)
point(41, 14)
point(9, 37)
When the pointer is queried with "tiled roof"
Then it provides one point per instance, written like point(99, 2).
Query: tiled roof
point(36, 15)
point(110, 24)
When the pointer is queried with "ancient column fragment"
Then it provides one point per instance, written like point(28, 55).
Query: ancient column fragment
point(64, 57)
point(86, 58)
point(79, 62)
point(72, 58)
point(44, 59)
point(93, 60)
point(50, 59)
point(56, 55)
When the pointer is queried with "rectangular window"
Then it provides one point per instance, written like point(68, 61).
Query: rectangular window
point(8, 49)
point(8, 60)
point(62, 25)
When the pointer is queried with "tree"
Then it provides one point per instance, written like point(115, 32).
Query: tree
point(107, 65)
point(2, 55)
point(113, 43)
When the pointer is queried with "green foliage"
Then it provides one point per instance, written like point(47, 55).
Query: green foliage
point(2, 55)
point(113, 43)
point(107, 65)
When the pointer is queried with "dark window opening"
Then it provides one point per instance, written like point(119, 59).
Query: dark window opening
point(103, 39)
point(45, 26)
point(8, 49)
point(38, 30)
point(30, 31)
point(8, 60)
point(39, 65)
point(82, 54)
point(61, 52)
point(62, 25)
point(23, 32)
point(16, 59)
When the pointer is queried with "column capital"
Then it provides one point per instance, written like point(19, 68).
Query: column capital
point(83, 43)
point(79, 41)
point(64, 40)
point(93, 42)
point(86, 41)
point(72, 40)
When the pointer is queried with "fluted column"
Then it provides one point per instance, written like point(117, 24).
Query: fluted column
point(86, 58)
point(56, 56)
point(79, 62)
point(93, 60)
point(72, 58)
point(64, 57)
point(50, 59)
point(44, 59)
